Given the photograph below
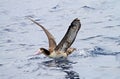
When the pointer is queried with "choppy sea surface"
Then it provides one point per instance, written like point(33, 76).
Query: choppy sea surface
point(98, 41)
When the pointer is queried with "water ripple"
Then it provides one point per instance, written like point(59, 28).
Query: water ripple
point(71, 75)
point(7, 30)
point(100, 51)
point(109, 27)
point(88, 7)
point(65, 66)
point(1, 64)
point(92, 37)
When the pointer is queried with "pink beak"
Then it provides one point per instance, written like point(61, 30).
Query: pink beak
point(37, 52)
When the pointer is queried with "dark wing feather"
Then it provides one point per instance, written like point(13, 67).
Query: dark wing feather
point(70, 36)
point(52, 43)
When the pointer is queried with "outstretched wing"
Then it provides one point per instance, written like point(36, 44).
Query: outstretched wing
point(52, 43)
point(70, 36)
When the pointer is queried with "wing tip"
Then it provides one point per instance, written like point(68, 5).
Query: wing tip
point(76, 19)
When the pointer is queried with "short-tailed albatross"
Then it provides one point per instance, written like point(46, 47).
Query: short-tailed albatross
point(63, 48)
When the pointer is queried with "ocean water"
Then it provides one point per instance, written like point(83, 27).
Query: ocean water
point(97, 43)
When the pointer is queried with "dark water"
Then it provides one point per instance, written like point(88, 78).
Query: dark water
point(97, 43)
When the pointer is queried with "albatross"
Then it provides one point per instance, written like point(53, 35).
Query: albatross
point(63, 49)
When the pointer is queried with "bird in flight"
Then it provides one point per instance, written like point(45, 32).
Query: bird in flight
point(63, 48)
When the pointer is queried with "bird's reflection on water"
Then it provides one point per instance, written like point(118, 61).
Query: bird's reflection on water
point(64, 65)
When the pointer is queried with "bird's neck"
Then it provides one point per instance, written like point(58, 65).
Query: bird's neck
point(46, 52)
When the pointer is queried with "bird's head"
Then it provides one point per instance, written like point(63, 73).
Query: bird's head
point(43, 50)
